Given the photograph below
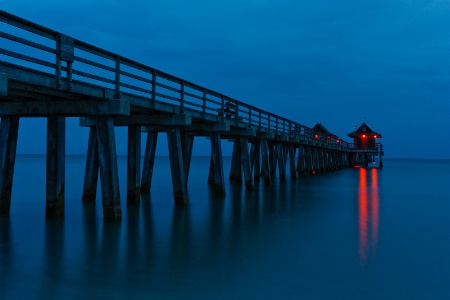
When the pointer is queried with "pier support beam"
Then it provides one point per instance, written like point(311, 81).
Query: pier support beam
point(92, 166)
point(149, 161)
point(216, 167)
point(255, 160)
point(308, 161)
point(292, 168)
point(187, 143)
point(246, 163)
point(301, 169)
point(177, 166)
point(134, 164)
point(266, 163)
point(281, 162)
point(108, 169)
point(9, 129)
point(236, 164)
point(272, 159)
point(56, 152)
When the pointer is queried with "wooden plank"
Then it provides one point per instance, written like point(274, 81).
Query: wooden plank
point(64, 108)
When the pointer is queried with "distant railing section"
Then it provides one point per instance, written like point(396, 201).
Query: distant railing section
point(70, 60)
point(372, 146)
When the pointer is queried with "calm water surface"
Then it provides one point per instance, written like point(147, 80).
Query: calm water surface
point(349, 234)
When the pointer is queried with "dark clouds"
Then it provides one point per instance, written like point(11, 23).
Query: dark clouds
point(311, 61)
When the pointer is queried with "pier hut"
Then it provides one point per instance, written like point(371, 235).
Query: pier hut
point(321, 132)
point(366, 149)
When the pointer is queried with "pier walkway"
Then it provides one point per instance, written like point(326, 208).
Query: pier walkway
point(44, 73)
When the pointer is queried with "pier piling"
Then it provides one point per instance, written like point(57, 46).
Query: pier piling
point(56, 153)
point(9, 129)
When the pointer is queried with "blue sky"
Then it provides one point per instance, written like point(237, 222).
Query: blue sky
point(327, 61)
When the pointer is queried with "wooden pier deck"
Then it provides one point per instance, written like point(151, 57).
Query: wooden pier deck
point(44, 73)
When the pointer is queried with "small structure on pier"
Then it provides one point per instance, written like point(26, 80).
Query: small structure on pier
point(321, 132)
point(365, 146)
point(364, 137)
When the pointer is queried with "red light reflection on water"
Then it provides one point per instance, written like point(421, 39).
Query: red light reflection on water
point(368, 213)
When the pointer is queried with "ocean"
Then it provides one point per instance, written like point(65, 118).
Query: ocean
point(349, 234)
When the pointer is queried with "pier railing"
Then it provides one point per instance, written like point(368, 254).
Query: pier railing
point(369, 147)
point(70, 61)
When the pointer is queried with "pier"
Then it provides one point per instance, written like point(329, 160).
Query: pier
point(44, 73)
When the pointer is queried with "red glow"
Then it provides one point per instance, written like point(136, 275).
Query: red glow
point(316, 136)
point(368, 213)
point(364, 135)
point(374, 208)
point(362, 213)
point(375, 136)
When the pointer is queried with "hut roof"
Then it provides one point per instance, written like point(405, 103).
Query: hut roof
point(363, 129)
point(320, 128)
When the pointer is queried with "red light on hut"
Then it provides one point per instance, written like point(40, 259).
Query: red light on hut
point(364, 135)
point(316, 136)
point(375, 136)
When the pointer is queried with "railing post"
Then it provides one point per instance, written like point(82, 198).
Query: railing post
point(64, 52)
point(276, 125)
point(249, 117)
point(237, 112)
point(268, 122)
point(182, 97)
point(222, 109)
point(259, 120)
point(153, 86)
point(117, 78)
point(204, 103)
point(58, 62)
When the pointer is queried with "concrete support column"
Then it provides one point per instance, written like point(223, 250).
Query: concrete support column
point(236, 163)
point(134, 164)
point(292, 168)
point(180, 192)
point(149, 160)
point(56, 154)
point(265, 163)
point(301, 161)
point(9, 129)
point(187, 143)
point(308, 160)
point(216, 167)
point(109, 176)
point(272, 159)
point(211, 169)
point(246, 163)
point(92, 166)
point(256, 161)
point(321, 160)
point(281, 162)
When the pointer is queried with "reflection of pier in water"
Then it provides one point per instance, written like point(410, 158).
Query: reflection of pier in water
point(368, 212)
